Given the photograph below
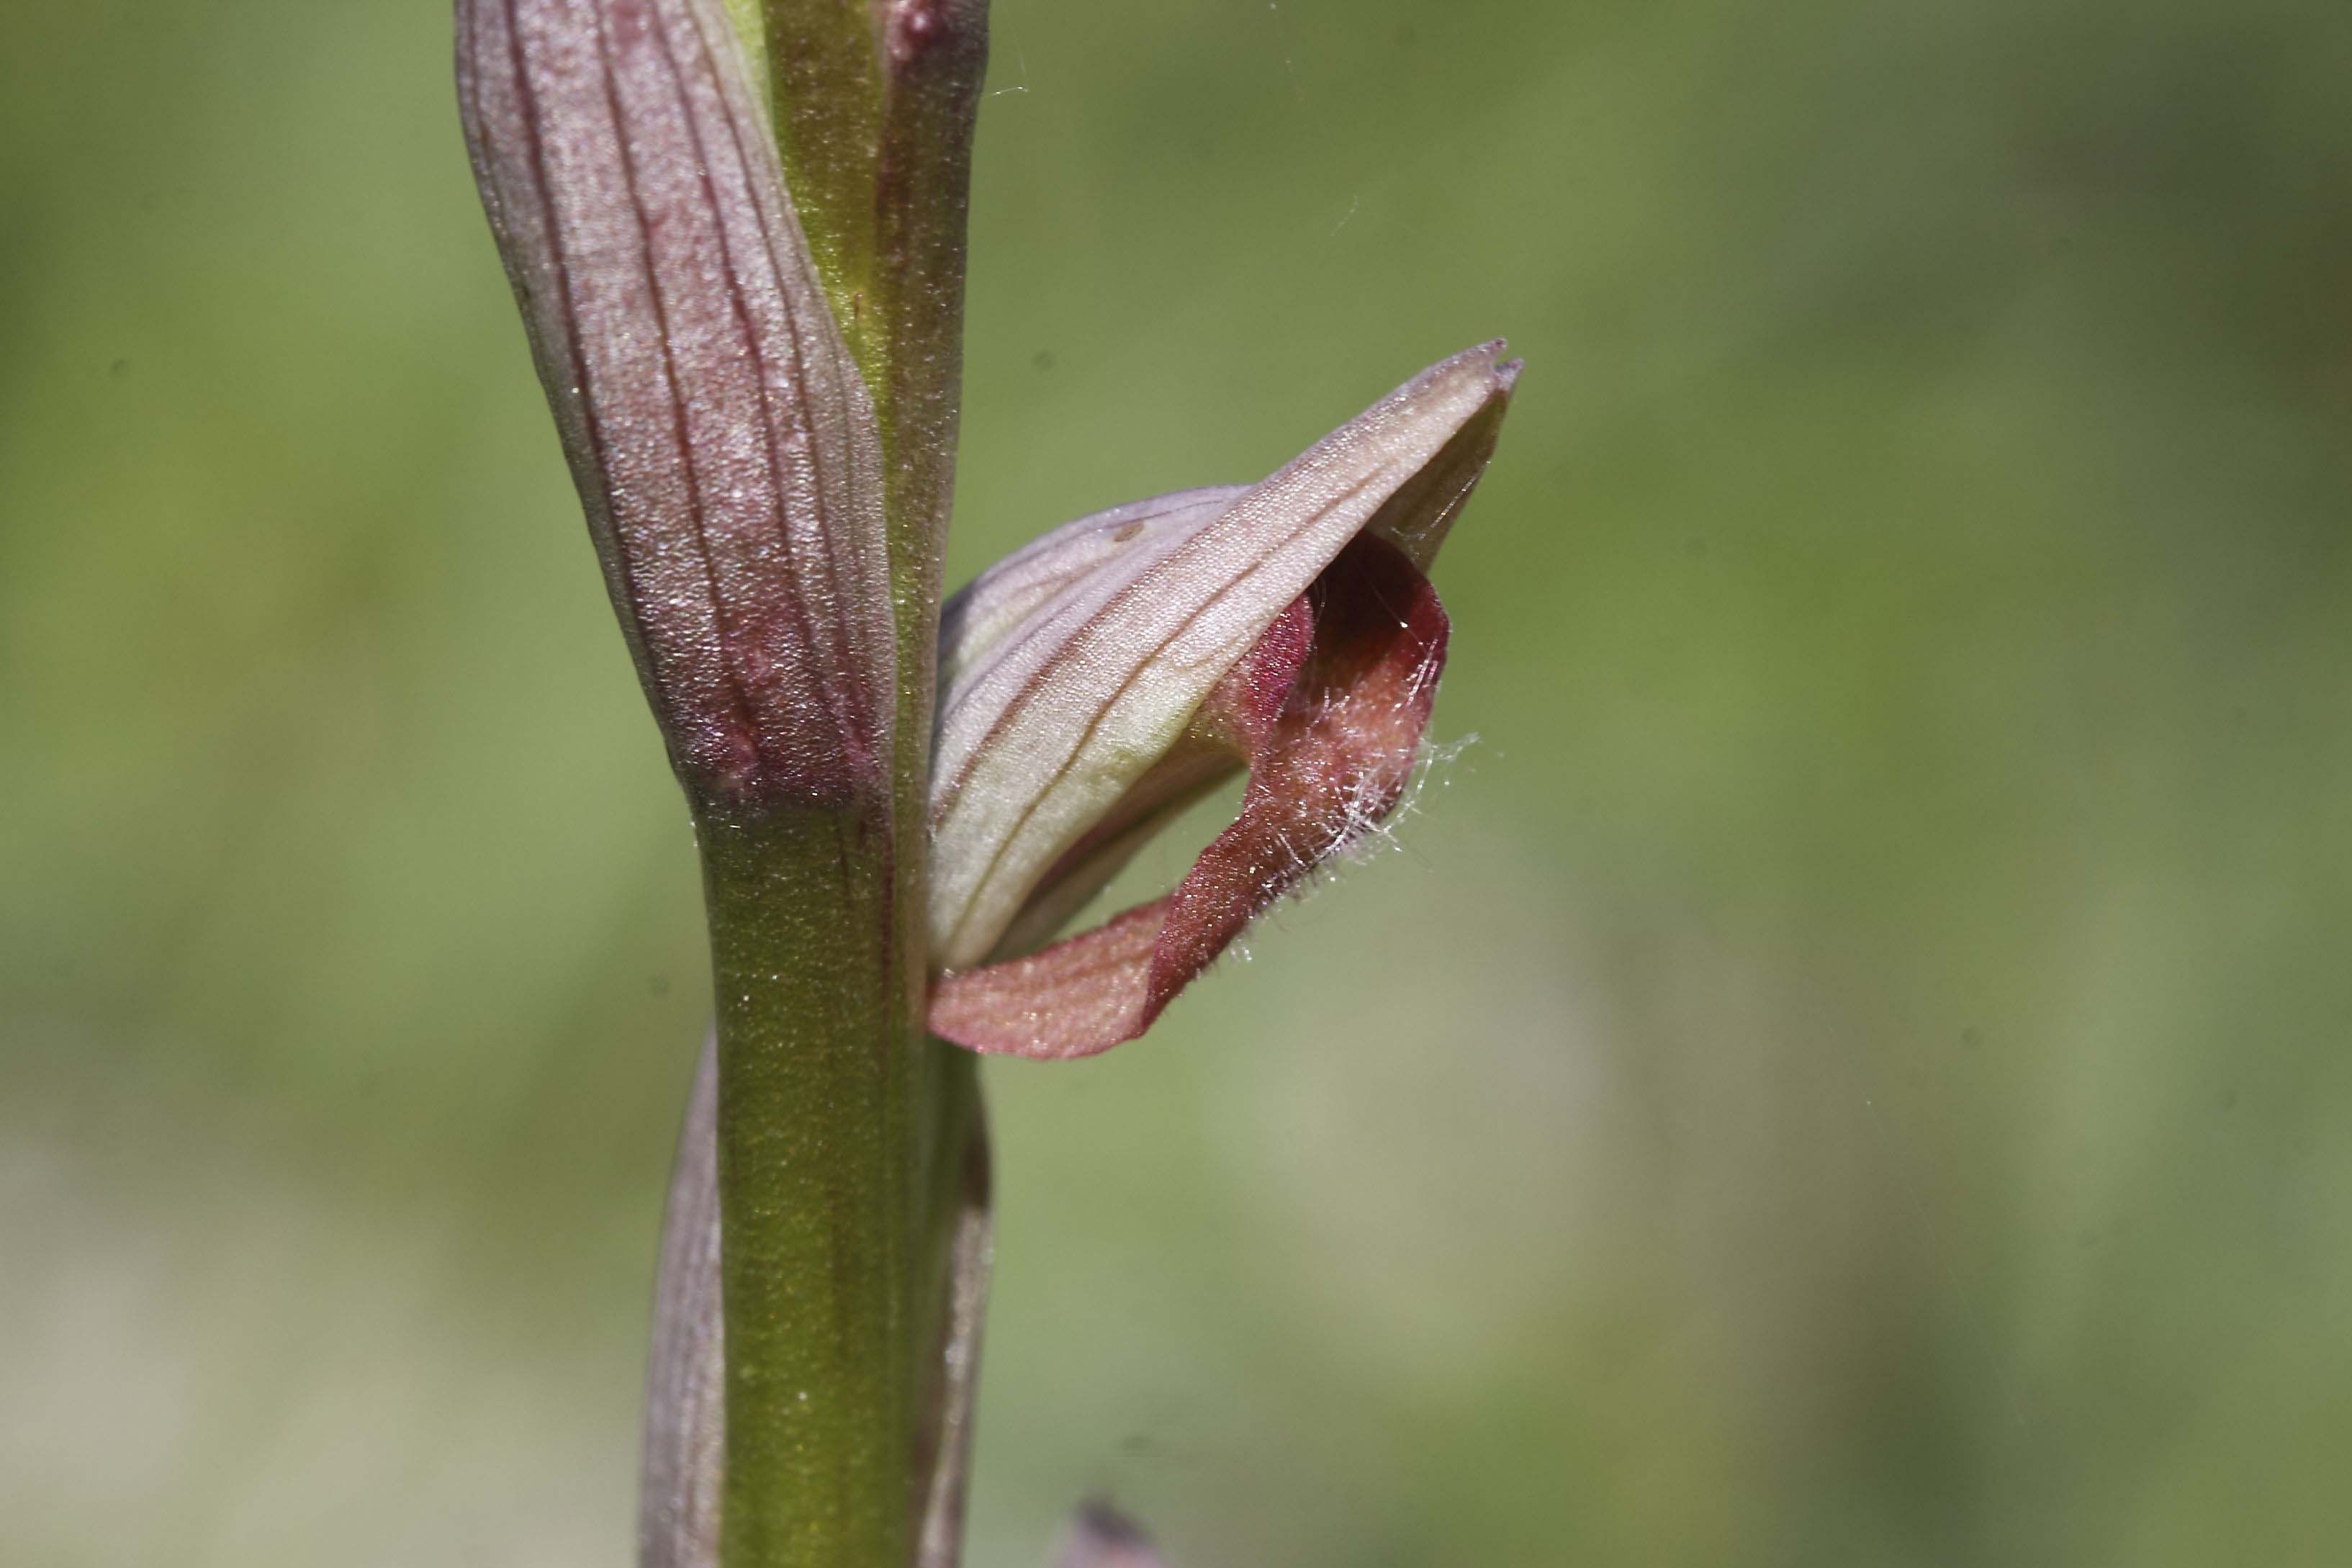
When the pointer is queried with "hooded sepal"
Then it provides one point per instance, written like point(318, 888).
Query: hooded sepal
point(1101, 680)
point(1328, 713)
point(1072, 671)
point(722, 440)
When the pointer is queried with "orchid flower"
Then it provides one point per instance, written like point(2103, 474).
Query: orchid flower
point(735, 232)
point(1101, 679)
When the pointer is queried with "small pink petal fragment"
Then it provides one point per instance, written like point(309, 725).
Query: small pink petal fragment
point(1101, 1537)
point(1327, 710)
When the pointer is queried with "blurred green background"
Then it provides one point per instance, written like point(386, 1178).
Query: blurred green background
point(1849, 1068)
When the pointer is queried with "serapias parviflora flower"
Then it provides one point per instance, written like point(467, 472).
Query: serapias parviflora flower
point(735, 474)
point(1097, 683)
point(1284, 626)
point(1091, 684)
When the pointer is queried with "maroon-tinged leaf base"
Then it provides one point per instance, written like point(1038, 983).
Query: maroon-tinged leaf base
point(1326, 711)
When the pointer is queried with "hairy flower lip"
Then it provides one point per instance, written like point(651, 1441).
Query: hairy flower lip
point(722, 439)
point(1070, 670)
point(1327, 710)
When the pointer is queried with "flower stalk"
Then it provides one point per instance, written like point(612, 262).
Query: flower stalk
point(735, 232)
point(725, 441)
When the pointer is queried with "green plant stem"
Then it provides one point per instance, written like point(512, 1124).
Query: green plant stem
point(822, 1127)
point(850, 1144)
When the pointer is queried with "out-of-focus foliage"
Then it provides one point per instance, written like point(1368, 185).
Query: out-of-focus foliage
point(1851, 1067)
